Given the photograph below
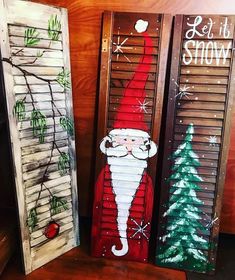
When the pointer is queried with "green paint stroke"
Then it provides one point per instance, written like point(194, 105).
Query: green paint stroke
point(67, 125)
point(39, 124)
point(19, 110)
point(183, 247)
point(63, 78)
point(58, 205)
point(32, 219)
point(64, 163)
point(31, 37)
point(54, 28)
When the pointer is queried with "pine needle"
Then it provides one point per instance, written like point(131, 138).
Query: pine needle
point(54, 28)
point(19, 110)
point(31, 37)
point(63, 163)
point(63, 78)
point(32, 219)
point(67, 125)
point(58, 205)
point(38, 122)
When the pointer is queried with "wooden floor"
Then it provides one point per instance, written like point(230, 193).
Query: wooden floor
point(77, 264)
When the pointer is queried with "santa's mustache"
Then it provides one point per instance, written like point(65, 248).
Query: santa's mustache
point(120, 151)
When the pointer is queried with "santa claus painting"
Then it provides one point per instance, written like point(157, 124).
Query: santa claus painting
point(124, 192)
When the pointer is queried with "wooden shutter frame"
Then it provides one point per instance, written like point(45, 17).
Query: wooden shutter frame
point(7, 19)
point(169, 132)
point(105, 66)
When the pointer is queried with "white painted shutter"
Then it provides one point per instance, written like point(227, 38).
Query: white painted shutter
point(35, 53)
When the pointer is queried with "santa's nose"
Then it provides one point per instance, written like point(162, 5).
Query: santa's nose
point(129, 145)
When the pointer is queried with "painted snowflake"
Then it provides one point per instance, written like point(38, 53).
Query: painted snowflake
point(119, 46)
point(140, 229)
point(142, 106)
point(183, 92)
point(212, 140)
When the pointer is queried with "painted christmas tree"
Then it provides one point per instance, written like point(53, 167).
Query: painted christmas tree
point(183, 243)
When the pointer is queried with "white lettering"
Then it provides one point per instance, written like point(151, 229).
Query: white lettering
point(209, 46)
point(187, 62)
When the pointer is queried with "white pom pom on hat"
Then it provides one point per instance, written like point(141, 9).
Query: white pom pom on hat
point(141, 25)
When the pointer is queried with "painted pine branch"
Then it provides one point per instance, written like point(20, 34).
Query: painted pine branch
point(39, 124)
point(19, 110)
point(64, 163)
point(58, 205)
point(67, 125)
point(54, 28)
point(63, 78)
point(32, 219)
point(31, 37)
point(38, 120)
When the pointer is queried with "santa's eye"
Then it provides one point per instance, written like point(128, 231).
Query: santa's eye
point(132, 140)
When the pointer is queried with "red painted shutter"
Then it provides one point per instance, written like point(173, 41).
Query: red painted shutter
point(132, 75)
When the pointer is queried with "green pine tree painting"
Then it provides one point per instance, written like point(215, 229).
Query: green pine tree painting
point(183, 246)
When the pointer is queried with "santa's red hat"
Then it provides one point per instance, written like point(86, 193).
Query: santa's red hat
point(133, 105)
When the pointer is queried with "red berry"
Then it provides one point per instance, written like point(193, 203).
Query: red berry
point(52, 230)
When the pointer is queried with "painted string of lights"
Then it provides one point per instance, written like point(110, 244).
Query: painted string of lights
point(38, 122)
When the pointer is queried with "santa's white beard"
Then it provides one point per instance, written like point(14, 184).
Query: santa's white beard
point(126, 176)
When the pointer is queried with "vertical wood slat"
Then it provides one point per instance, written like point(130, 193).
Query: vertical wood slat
point(168, 144)
point(223, 156)
point(105, 70)
point(71, 140)
point(165, 34)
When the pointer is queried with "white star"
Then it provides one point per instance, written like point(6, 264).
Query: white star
point(119, 47)
point(212, 140)
point(142, 106)
point(183, 91)
point(141, 229)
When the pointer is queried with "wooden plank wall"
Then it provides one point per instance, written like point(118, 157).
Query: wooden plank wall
point(85, 32)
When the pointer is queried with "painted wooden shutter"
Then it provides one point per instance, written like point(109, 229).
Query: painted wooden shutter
point(35, 55)
point(196, 141)
point(132, 75)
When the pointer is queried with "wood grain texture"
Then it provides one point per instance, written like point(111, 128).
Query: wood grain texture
point(218, 120)
point(85, 30)
point(30, 170)
point(79, 265)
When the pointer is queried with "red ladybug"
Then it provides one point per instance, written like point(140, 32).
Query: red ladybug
point(52, 230)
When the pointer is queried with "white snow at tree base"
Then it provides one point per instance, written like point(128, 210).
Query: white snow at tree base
point(177, 258)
